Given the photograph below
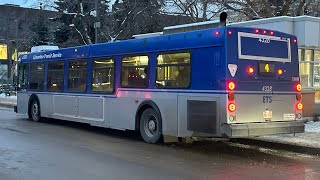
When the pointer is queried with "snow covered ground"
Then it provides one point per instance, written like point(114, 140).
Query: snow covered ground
point(3, 95)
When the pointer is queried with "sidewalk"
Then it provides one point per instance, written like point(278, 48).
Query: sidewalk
point(308, 142)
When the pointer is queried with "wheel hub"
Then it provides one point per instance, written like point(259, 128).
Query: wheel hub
point(152, 125)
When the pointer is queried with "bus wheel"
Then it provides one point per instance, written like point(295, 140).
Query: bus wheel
point(35, 111)
point(150, 126)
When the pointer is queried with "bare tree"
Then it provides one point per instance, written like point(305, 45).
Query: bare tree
point(196, 10)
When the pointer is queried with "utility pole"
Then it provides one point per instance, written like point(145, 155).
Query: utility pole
point(97, 23)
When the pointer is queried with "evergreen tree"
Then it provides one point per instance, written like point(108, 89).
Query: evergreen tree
point(41, 32)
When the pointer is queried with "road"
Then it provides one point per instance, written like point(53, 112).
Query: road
point(64, 150)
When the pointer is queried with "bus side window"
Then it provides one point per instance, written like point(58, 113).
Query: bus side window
point(77, 76)
point(134, 72)
point(173, 70)
point(23, 77)
point(55, 76)
point(103, 75)
point(36, 76)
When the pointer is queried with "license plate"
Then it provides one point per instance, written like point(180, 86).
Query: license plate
point(288, 117)
point(267, 115)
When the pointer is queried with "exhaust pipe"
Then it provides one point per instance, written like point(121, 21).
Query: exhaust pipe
point(223, 19)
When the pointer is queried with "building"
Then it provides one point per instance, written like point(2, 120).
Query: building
point(16, 33)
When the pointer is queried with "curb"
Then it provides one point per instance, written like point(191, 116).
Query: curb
point(7, 105)
point(278, 145)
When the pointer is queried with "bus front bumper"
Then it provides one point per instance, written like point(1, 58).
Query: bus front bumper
point(260, 129)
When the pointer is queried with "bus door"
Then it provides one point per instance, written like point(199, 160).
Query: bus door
point(266, 83)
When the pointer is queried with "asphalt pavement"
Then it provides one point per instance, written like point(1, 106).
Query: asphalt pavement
point(65, 150)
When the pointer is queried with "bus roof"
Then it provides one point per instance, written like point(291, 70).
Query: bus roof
point(166, 42)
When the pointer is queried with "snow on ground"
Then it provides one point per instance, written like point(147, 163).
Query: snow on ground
point(3, 95)
point(312, 127)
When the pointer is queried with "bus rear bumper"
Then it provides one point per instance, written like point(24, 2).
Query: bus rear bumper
point(260, 129)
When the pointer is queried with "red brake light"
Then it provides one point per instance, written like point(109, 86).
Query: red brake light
point(295, 40)
point(231, 96)
point(232, 107)
point(299, 106)
point(250, 70)
point(216, 32)
point(271, 33)
point(231, 86)
point(298, 97)
point(264, 32)
point(298, 87)
point(280, 72)
point(229, 32)
point(256, 31)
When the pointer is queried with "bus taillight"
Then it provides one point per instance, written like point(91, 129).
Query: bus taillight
point(231, 96)
point(298, 97)
point(295, 40)
point(229, 32)
point(231, 86)
point(217, 33)
point(250, 70)
point(299, 106)
point(298, 87)
point(232, 107)
point(256, 31)
point(264, 32)
point(271, 33)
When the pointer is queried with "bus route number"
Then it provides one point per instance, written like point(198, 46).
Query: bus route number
point(264, 40)
point(267, 99)
point(267, 88)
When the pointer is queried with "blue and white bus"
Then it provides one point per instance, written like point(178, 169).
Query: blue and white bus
point(218, 82)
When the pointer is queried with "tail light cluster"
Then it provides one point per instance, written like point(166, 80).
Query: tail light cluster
point(231, 85)
point(298, 105)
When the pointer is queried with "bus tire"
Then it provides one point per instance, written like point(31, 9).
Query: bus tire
point(150, 126)
point(35, 111)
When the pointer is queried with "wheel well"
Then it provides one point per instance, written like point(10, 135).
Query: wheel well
point(143, 106)
point(32, 98)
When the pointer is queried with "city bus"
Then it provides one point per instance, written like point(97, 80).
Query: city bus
point(219, 82)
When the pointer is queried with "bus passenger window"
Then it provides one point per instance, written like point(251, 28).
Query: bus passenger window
point(103, 75)
point(36, 76)
point(173, 70)
point(55, 76)
point(135, 72)
point(23, 77)
point(77, 76)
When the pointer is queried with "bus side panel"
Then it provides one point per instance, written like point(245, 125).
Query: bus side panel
point(127, 103)
point(22, 102)
point(64, 105)
point(199, 114)
point(46, 104)
point(90, 108)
